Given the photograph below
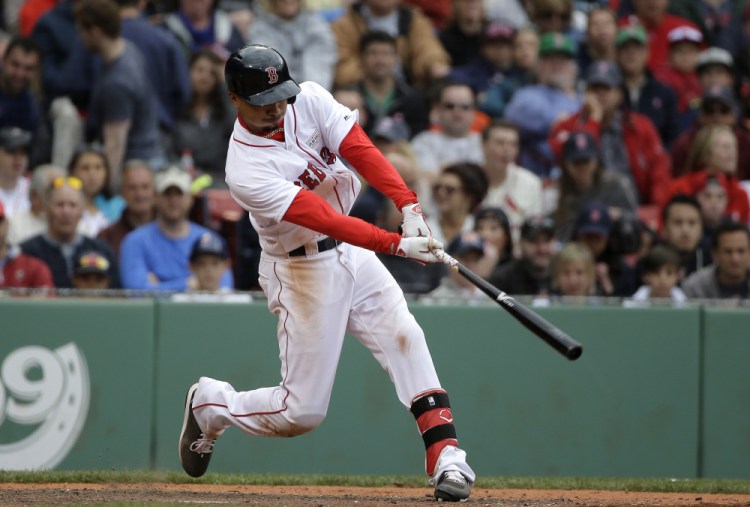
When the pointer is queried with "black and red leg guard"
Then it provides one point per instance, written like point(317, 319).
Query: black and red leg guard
point(435, 421)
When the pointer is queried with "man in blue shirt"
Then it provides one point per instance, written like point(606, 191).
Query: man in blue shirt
point(156, 256)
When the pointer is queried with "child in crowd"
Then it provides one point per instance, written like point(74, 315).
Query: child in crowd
point(493, 227)
point(661, 274)
point(91, 272)
point(685, 44)
point(469, 249)
point(101, 208)
point(573, 272)
point(713, 199)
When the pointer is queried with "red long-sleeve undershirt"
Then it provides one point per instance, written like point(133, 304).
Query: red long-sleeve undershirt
point(313, 212)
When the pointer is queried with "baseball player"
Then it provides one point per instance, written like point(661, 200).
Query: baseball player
point(319, 271)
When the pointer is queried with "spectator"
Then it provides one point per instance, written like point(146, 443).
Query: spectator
point(14, 162)
point(491, 75)
point(515, 189)
point(714, 154)
point(18, 106)
point(552, 16)
point(198, 24)
point(18, 270)
point(461, 36)
point(512, 11)
point(584, 181)
point(61, 245)
point(628, 141)
point(101, 208)
point(155, 256)
point(303, 36)
point(33, 221)
point(123, 108)
point(653, 16)
point(91, 272)
point(422, 57)
point(595, 229)
point(713, 18)
point(526, 54)
point(601, 31)
point(683, 231)
point(679, 73)
point(467, 248)
point(457, 192)
point(713, 200)
point(729, 276)
point(643, 92)
point(535, 108)
point(385, 93)
point(573, 272)
point(165, 63)
point(205, 125)
point(530, 274)
point(493, 226)
point(455, 142)
point(661, 276)
point(718, 107)
point(715, 67)
point(137, 190)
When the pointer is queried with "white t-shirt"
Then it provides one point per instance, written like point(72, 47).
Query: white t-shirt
point(434, 150)
point(264, 175)
point(16, 200)
point(520, 196)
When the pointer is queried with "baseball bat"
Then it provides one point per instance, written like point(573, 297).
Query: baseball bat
point(554, 336)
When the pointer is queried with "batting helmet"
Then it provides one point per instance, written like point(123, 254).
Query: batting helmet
point(260, 75)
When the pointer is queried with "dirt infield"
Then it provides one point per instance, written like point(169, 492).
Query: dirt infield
point(12, 494)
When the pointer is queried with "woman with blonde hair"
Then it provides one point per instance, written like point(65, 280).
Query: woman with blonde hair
point(713, 154)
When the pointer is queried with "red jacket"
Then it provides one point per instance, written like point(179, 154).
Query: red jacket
point(25, 271)
point(649, 162)
point(738, 204)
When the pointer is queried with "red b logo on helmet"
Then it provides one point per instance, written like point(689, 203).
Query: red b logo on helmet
point(272, 75)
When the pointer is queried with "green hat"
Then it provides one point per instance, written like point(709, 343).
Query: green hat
point(556, 43)
point(628, 33)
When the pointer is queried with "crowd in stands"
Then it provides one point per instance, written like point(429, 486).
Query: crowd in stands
point(559, 148)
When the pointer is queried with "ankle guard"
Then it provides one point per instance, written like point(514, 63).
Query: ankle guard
point(435, 421)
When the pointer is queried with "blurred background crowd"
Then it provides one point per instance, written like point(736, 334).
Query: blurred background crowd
point(559, 148)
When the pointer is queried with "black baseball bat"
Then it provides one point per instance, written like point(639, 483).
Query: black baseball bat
point(554, 336)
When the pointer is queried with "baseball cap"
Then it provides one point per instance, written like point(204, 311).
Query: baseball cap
point(209, 243)
point(580, 146)
point(718, 93)
point(714, 56)
point(497, 31)
point(685, 34)
point(556, 43)
point(12, 138)
point(391, 129)
point(91, 262)
point(603, 72)
point(173, 176)
point(466, 242)
point(631, 33)
point(594, 219)
point(534, 226)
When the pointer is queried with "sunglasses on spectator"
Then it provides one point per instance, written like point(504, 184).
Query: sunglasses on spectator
point(549, 15)
point(448, 189)
point(71, 181)
point(717, 109)
point(450, 106)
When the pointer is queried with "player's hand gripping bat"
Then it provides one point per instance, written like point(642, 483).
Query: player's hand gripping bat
point(534, 322)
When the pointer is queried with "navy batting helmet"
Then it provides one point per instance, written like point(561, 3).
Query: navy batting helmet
point(260, 75)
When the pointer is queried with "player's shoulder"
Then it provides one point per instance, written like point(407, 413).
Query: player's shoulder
point(313, 92)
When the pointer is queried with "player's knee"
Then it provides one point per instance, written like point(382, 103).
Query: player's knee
point(303, 421)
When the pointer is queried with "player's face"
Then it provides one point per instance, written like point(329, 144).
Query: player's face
point(732, 255)
point(683, 228)
point(260, 118)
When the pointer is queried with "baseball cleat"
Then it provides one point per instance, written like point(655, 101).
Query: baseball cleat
point(195, 448)
point(452, 487)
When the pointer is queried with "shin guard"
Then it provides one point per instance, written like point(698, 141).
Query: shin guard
point(435, 421)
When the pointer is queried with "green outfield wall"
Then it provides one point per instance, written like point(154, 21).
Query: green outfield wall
point(100, 384)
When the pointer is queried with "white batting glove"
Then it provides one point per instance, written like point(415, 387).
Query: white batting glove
point(413, 225)
point(419, 249)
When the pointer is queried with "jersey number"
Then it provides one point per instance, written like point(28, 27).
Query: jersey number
point(272, 75)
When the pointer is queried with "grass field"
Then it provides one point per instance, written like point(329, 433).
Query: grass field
point(665, 485)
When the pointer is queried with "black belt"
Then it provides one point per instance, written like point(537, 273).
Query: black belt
point(323, 245)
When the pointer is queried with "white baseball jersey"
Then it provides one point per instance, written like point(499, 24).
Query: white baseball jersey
point(265, 175)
